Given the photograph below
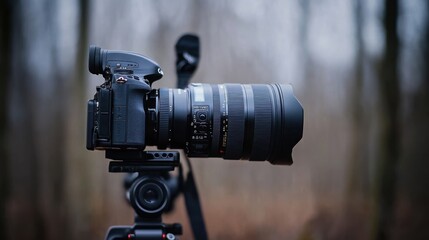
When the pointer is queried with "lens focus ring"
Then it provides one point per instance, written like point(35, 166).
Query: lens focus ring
point(164, 118)
point(263, 122)
point(236, 121)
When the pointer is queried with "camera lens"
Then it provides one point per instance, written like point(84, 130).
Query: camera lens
point(150, 196)
point(234, 121)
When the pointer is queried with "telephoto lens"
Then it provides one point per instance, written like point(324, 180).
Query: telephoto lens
point(257, 122)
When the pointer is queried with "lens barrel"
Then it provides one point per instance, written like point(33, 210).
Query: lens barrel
point(234, 121)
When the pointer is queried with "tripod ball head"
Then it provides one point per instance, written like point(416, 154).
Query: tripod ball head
point(149, 196)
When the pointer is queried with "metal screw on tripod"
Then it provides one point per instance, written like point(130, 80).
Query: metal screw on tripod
point(170, 236)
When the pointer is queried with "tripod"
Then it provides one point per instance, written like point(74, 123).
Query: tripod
point(148, 194)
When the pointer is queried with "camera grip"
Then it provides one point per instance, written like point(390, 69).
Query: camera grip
point(128, 116)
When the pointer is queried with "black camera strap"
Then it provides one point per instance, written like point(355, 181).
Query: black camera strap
point(188, 55)
point(192, 202)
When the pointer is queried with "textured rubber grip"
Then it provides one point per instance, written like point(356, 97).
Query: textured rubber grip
point(263, 123)
point(236, 121)
point(164, 115)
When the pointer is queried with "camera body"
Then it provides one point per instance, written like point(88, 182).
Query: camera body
point(117, 114)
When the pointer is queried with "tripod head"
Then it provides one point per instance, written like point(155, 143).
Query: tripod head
point(148, 193)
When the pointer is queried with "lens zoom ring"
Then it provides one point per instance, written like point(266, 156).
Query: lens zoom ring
point(236, 122)
point(263, 118)
point(163, 118)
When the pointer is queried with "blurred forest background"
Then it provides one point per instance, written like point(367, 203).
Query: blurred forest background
point(360, 69)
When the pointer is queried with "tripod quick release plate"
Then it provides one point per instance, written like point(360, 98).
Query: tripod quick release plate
point(142, 161)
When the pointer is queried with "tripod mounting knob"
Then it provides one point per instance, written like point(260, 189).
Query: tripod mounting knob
point(149, 195)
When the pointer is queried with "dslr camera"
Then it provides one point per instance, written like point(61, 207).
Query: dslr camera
point(257, 122)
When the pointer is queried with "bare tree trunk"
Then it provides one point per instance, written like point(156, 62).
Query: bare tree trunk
point(389, 135)
point(425, 41)
point(356, 206)
point(358, 185)
point(23, 208)
point(413, 197)
point(37, 122)
point(77, 165)
point(5, 27)
point(80, 192)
